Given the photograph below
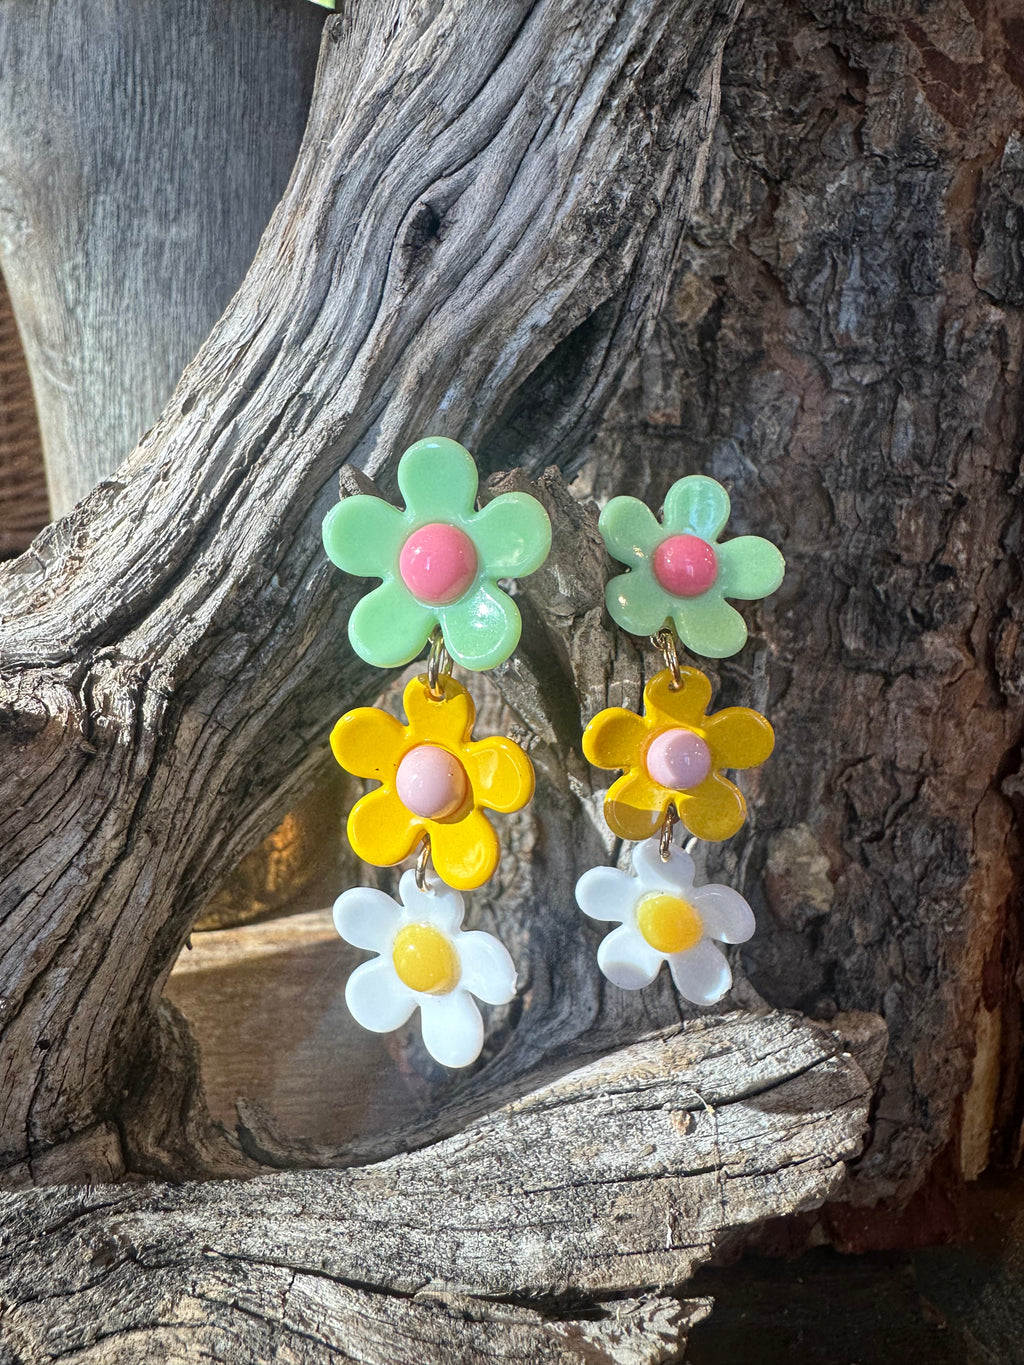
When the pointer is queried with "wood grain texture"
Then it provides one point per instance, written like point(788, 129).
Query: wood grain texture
point(252, 1314)
point(142, 151)
point(171, 653)
point(606, 1185)
point(24, 508)
point(143, 171)
point(285, 1063)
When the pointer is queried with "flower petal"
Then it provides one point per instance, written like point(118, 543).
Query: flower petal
point(481, 629)
point(739, 737)
point(501, 774)
point(715, 810)
point(615, 738)
point(675, 876)
point(637, 603)
point(686, 706)
point(701, 974)
point(724, 913)
point(388, 627)
point(635, 806)
point(630, 530)
point(708, 625)
point(376, 998)
point(607, 893)
point(366, 918)
point(364, 535)
point(628, 960)
point(488, 971)
point(368, 742)
point(512, 535)
point(381, 830)
point(448, 722)
point(453, 1031)
point(749, 567)
point(698, 505)
point(438, 480)
point(465, 852)
point(439, 905)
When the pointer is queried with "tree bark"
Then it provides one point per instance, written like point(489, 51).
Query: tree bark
point(24, 508)
point(844, 348)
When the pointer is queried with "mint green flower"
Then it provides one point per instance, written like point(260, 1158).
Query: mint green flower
point(678, 572)
point(439, 560)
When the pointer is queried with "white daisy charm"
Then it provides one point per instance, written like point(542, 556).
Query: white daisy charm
point(426, 959)
point(665, 918)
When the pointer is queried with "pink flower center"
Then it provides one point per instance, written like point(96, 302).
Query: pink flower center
point(438, 563)
point(431, 782)
point(677, 759)
point(685, 565)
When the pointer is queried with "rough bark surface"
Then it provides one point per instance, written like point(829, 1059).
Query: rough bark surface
point(844, 349)
point(24, 508)
point(571, 1207)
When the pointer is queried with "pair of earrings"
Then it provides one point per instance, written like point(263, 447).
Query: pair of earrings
point(439, 562)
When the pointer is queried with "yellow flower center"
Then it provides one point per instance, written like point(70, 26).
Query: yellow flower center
point(669, 925)
point(425, 960)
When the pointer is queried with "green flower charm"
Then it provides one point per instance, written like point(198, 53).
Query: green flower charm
point(679, 573)
point(438, 560)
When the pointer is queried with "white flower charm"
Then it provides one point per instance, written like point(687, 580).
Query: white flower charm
point(665, 918)
point(426, 959)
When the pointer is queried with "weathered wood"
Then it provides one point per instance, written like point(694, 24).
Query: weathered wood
point(396, 1096)
point(142, 151)
point(187, 118)
point(172, 653)
point(260, 1313)
point(843, 349)
point(282, 1058)
point(611, 1181)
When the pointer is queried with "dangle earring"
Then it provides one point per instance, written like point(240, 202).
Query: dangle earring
point(439, 561)
point(674, 756)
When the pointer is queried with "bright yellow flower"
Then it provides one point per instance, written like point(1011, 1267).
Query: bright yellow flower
point(434, 780)
point(675, 752)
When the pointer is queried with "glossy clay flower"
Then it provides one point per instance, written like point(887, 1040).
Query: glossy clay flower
point(679, 573)
point(675, 752)
point(426, 959)
point(663, 917)
point(435, 780)
point(438, 560)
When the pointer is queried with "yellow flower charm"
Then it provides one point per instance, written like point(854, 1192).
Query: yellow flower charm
point(434, 779)
point(675, 752)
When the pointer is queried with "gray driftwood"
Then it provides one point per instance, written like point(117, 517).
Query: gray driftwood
point(841, 347)
point(173, 653)
point(482, 216)
point(841, 344)
point(543, 1231)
